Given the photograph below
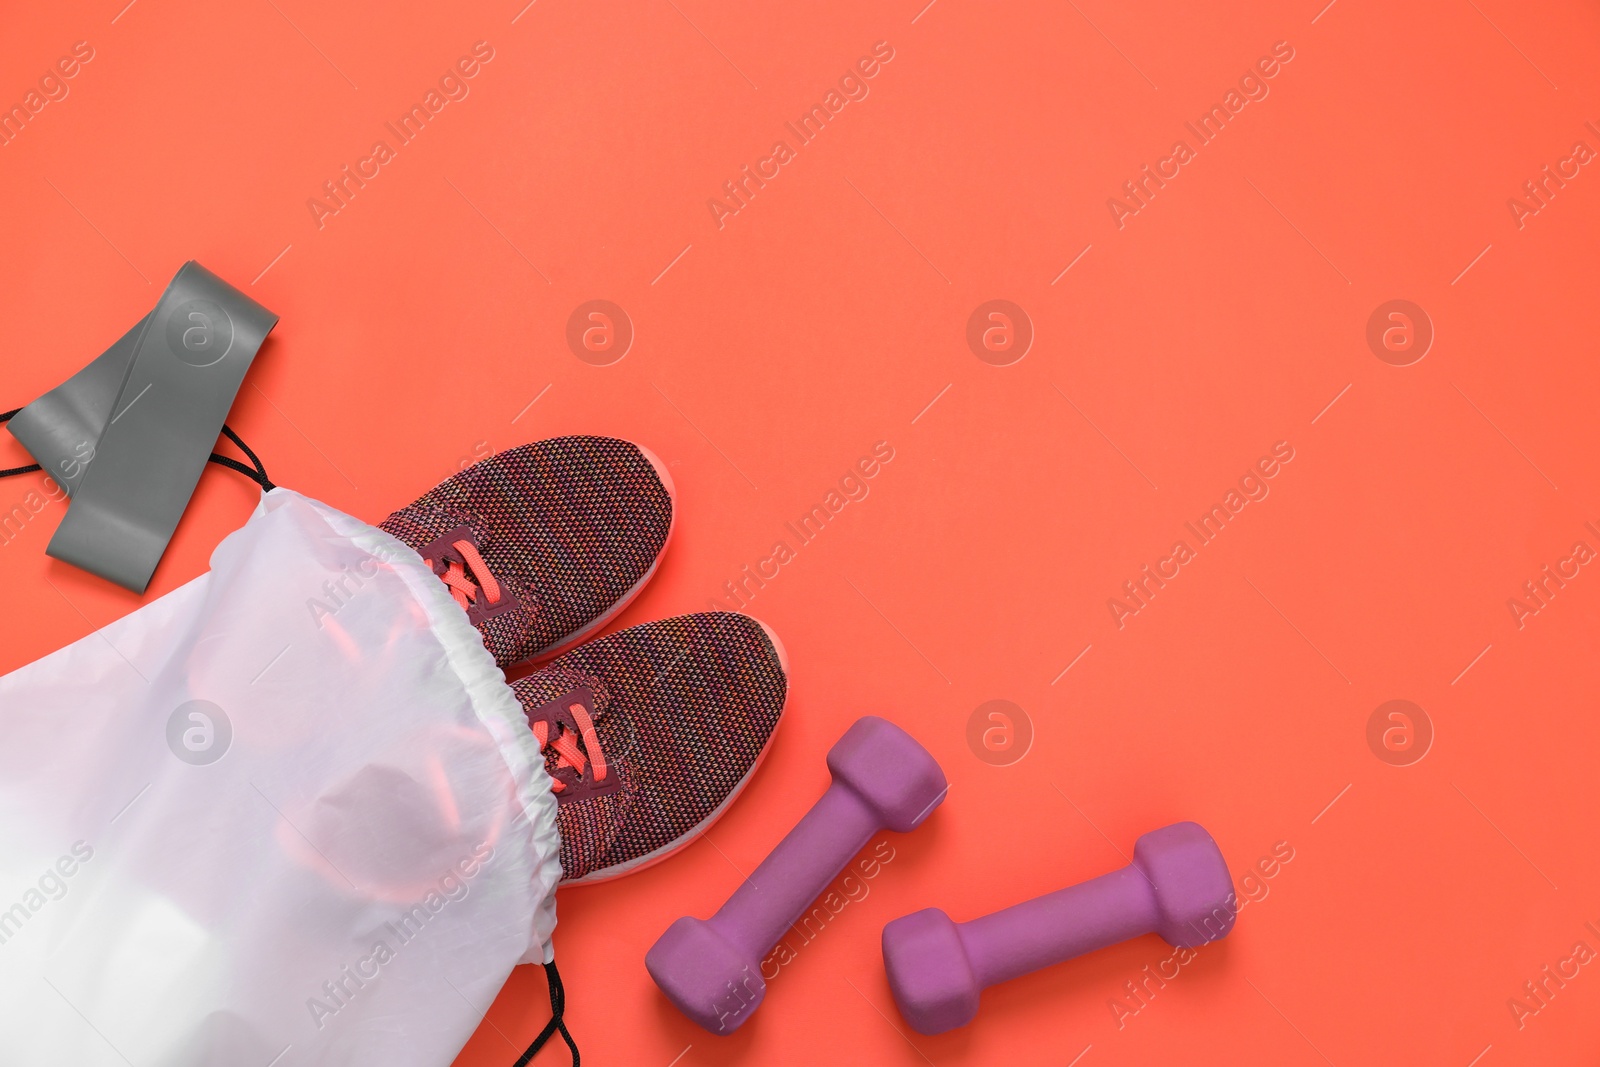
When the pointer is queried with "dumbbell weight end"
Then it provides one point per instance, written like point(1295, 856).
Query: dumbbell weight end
point(711, 968)
point(1178, 886)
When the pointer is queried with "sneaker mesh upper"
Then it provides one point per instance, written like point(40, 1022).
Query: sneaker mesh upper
point(685, 708)
point(567, 526)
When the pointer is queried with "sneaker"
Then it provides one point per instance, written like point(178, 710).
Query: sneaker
point(544, 544)
point(650, 732)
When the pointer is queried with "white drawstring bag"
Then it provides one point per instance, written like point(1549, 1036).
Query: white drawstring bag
point(288, 814)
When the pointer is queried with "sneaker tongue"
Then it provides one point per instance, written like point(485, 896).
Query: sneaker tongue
point(556, 705)
point(550, 696)
point(552, 684)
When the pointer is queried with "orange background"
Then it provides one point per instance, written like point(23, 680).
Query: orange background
point(420, 322)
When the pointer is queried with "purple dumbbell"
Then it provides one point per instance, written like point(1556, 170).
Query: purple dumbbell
point(1177, 886)
point(711, 968)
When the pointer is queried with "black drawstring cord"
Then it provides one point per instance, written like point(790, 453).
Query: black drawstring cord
point(255, 472)
point(30, 468)
point(557, 1023)
point(263, 481)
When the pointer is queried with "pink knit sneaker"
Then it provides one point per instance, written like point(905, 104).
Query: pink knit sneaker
point(544, 544)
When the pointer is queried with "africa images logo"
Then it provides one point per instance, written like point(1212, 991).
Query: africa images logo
point(199, 732)
point(453, 86)
point(852, 487)
point(52, 88)
point(1137, 192)
point(51, 885)
point(599, 333)
point(453, 886)
point(1253, 487)
point(852, 87)
point(200, 333)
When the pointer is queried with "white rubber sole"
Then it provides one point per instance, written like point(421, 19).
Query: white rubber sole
point(573, 640)
point(650, 859)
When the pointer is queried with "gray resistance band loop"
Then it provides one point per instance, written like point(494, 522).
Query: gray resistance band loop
point(129, 435)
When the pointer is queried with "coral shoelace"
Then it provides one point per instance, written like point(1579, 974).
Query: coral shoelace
point(462, 587)
point(566, 745)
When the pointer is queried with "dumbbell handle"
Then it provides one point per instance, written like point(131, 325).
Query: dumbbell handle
point(1058, 926)
point(796, 872)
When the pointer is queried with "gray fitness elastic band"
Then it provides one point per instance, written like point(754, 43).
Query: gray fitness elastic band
point(146, 413)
